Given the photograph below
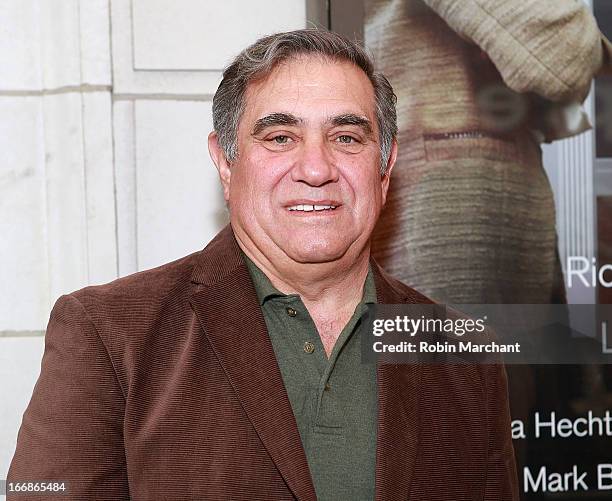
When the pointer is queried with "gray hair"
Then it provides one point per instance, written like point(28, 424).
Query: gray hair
point(258, 60)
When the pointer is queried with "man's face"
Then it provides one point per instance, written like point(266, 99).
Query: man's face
point(306, 184)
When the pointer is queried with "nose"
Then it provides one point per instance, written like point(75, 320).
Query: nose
point(315, 164)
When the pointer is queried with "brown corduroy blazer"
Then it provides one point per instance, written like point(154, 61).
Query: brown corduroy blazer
point(163, 385)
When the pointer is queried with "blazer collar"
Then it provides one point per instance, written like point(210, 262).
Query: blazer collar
point(226, 304)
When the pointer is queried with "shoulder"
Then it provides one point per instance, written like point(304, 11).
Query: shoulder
point(130, 309)
point(144, 289)
point(134, 306)
point(392, 291)
point(123, 320)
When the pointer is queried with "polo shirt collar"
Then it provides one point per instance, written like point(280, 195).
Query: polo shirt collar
point(265, 290)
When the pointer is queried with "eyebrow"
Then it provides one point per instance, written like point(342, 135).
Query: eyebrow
point(352, 119)
point(274, 119)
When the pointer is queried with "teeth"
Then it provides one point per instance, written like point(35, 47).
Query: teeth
point(310, 208)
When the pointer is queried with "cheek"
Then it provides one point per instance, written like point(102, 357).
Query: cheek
point(255, 185)
point(366, 187)
point(374, 204)
point(270, 170)
point(241, 189)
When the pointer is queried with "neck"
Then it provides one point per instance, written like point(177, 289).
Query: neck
point(329, 286)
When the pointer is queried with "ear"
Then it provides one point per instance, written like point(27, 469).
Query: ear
point(390, 164)
point(223, 166)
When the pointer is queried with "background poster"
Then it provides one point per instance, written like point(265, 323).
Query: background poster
point(477, 215)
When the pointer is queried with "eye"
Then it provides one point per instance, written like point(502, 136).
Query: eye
point(348, 142)
point(345, 139)
point(281, 139)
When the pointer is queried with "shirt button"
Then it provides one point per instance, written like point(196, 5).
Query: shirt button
point(291, 312)
point(309, 347)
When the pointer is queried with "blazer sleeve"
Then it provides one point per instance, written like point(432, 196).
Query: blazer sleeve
point(552, 49)
point(72, 428)
point(502, 482)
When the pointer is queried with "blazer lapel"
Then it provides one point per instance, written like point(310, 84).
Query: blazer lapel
point(226, 304)
point(398, 405)
point(227, 307)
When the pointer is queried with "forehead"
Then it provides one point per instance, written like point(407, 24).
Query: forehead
point(311, 87)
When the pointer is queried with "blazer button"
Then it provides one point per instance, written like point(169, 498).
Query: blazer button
point(291, 312)
point(309, 347)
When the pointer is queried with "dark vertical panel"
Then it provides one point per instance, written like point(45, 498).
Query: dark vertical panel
point(317, 13)
point(603, 14)
point(604, 250)
point(603, 87)
point(347, 18)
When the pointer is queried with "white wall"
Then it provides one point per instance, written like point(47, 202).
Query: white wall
point(104, 171)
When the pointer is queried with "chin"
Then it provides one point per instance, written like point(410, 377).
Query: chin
point(317, 252)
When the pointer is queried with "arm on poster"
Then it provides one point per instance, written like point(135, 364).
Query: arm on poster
point(72, 430)
point(552, 49)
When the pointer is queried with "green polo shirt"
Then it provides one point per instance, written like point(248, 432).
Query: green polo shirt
point(334, 400)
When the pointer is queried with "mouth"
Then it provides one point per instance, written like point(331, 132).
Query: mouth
point(311, 207)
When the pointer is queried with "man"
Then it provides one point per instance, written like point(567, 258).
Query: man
point(235, 372)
